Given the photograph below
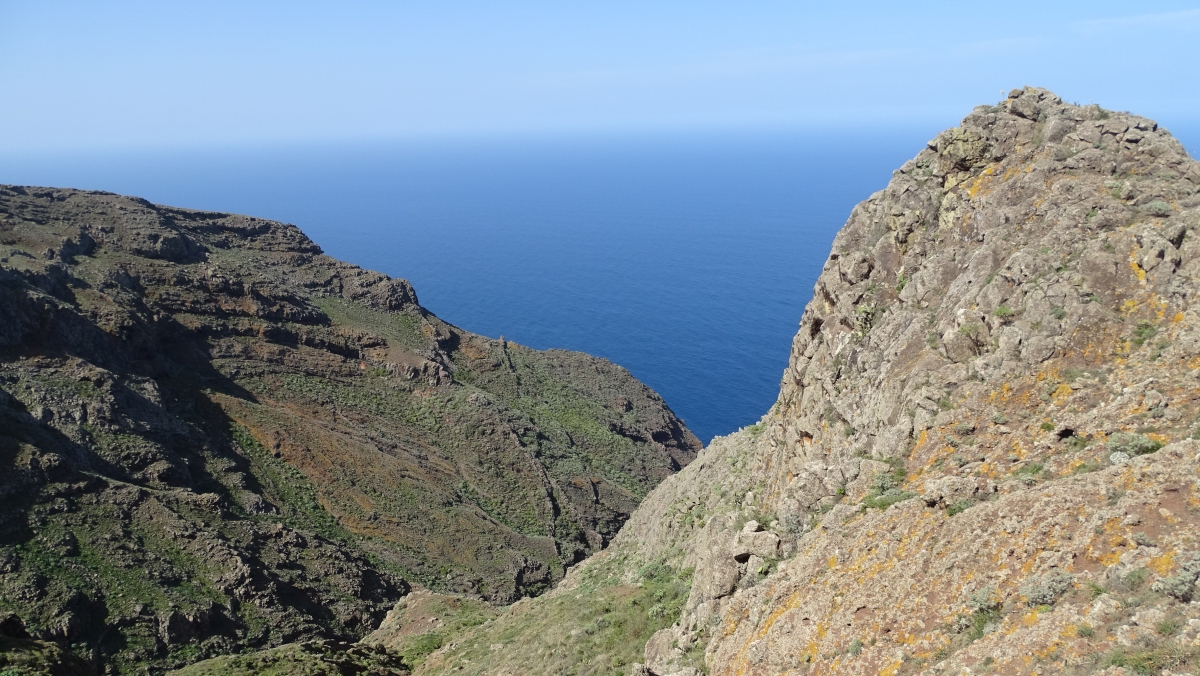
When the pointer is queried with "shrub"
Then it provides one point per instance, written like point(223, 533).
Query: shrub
point(1142, 539)
point(855, 647)
point(1152, 660)
point(1182, 585)
point(1167, 627)
point(1047, 426)
point(959, 507)
point(791, 523)
point(885, 499)
point(1003, 311)
point(1045, 590)
point(1132, 444)
point(983, 599)
point(1134, 579)
point(1158, 208)
point(1085, 631)
point(1144, 331)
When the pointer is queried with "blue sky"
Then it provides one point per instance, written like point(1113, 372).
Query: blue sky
point(99, 75)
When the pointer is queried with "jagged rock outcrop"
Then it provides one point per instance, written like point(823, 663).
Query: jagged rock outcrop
point(981, 458)
point(214, 437)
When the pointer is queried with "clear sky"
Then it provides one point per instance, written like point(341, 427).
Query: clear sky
point(99, 75)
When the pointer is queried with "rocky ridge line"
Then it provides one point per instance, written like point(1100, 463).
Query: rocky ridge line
point(214, 437)
point(981, 458)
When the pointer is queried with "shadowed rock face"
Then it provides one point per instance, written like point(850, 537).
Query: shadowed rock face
point(982, 457)
point(213, 436)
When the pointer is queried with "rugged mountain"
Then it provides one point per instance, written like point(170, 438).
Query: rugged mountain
point(982, 458)
point(213, 437)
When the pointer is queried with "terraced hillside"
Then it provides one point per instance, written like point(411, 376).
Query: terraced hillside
point(214, 437)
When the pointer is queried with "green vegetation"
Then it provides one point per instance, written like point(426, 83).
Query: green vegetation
point(1158, 208)
point(885, 487)
point(985, 617)
point(453, 615)
point(1046, 590)
point(600, 627)
point(1144, 331)
point(1151, 660)
point(20, 657)
point(959, 507)
point(1132, 444)
point(316, 658)
point(294, 493)
point(1003, 311)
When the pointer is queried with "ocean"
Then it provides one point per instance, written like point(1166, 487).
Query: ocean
point(687, 258)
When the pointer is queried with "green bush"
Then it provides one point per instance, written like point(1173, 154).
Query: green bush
point(1144, 331)
point(1045, 590)
point(1152, 660)
point(959, 507)
point(1158, 208)
point(1003, 311)
point(1132, 444)
point(886, 498)
point(1182, 585)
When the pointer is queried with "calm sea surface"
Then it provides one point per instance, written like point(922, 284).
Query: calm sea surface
point(688, 259)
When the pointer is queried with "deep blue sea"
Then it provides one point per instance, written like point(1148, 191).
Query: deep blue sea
point(688, 259)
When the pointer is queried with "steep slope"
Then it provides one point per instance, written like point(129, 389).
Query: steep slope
point(214, 437)
point(981, 455)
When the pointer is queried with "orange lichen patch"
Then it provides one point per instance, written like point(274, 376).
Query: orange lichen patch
point(892, 668)
point(1178, 317)
point(980, 181)
point(833, 562)
point(1061, 393)
point(1030, 618)
point(1162, 564)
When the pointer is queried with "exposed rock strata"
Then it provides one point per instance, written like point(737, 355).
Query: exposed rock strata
point(981, 458)
point(214, 437)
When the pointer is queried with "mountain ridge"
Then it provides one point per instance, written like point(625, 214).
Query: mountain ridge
point(216, 437)
point(982, 458)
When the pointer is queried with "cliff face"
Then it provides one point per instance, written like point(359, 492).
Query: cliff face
point(981, 457)
point(213, 436)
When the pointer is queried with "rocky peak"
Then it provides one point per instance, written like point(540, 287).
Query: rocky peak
point(982, 458)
